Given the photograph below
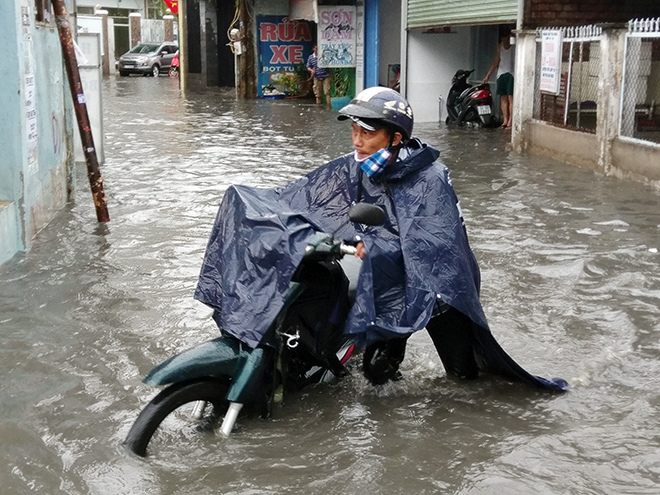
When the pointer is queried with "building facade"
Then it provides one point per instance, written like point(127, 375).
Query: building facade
point(602, 113)
point(36, 124)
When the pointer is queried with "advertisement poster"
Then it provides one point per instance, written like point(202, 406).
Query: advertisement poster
point(551, 47)
point(337, 36)
point(359, 48)
point(31, 121)
point(283, 45)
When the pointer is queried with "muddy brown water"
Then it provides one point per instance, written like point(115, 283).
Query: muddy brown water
point(571, 287)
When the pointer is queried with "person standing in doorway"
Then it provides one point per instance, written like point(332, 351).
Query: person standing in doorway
point(504, 63)
point(321, 77)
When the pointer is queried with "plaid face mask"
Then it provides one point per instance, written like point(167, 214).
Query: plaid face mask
point(374, 165)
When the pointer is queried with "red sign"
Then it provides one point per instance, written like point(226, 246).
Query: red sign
point(173, 5)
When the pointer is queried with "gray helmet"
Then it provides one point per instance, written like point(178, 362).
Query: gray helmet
point(378, 107)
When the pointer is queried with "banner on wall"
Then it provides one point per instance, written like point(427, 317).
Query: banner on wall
point(337, 36)
point(551, 48)
point(283, 44)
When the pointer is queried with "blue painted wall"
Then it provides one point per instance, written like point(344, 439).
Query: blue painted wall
point(371, 40)
point(9, 101)
point(36, 165)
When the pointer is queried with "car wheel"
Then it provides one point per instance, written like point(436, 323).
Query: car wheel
point(155, 71)
point(123, 73)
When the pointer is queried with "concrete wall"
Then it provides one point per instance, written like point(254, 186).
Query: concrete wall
point(36, 160)
point(390, 36)
point(432, 60)
point(636, 161)
point(577, 148)
point(11, 118)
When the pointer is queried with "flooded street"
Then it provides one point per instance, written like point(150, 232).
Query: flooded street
point(570, 285)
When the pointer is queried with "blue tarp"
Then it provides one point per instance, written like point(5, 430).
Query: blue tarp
point(419, 257)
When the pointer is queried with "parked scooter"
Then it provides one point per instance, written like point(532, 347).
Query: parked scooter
point(467, 103)
point(304, 345)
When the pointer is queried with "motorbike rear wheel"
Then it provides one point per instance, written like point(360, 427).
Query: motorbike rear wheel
point(471, 116)
point(167, 401)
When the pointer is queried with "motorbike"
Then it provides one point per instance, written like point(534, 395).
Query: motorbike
point(174, 67)
point(304, 345)
point(469, 104)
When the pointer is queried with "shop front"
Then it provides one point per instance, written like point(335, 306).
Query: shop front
point(443, 37)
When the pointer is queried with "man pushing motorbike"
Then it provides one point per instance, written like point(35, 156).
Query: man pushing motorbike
point(417, 272)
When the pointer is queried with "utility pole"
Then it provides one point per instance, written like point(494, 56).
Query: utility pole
point(246, 78)
point(93, 171)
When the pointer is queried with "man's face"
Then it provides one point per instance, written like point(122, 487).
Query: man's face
point(366, 143)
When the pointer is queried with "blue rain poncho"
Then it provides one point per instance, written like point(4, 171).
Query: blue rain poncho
point(418, 258)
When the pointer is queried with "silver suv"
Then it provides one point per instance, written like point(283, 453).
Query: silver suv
point(147, 59)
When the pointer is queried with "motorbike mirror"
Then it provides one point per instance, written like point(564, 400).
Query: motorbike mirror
point(366, 214)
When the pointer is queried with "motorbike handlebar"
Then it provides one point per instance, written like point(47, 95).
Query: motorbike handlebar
point(324, 250)
point(346, 249)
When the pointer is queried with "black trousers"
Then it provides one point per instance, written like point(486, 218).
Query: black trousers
point(452, 334)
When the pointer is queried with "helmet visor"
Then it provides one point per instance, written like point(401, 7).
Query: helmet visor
point(368, 124)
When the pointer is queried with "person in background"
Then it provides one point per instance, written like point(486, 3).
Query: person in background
point(321, 77)
point(505, 58)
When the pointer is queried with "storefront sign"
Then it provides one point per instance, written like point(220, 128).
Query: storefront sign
point(283, 44)
point(337, 36)
point(551, 48)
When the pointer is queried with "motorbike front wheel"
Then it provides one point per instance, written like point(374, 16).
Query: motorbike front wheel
point(167, 401)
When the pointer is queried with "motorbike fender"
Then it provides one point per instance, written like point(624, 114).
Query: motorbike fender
point(247, 380)
point(217, 357)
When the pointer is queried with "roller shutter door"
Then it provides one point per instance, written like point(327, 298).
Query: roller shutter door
point(431, 13)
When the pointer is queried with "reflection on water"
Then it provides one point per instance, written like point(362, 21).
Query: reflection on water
point(570, 285)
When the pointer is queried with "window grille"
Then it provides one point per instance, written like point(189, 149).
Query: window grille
point(575, 105)
point(42, 10)
point(640, 115)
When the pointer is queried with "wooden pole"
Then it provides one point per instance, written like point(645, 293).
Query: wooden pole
point(68, 52)
point(246, 77)
point(183, 45)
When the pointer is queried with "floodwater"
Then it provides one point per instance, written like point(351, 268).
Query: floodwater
point(571, 287)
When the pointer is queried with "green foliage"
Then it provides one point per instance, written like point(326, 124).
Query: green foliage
point(343, 81)
point(287, 82)
point(301, 72)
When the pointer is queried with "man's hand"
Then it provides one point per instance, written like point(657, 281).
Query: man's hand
point(360, 251)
